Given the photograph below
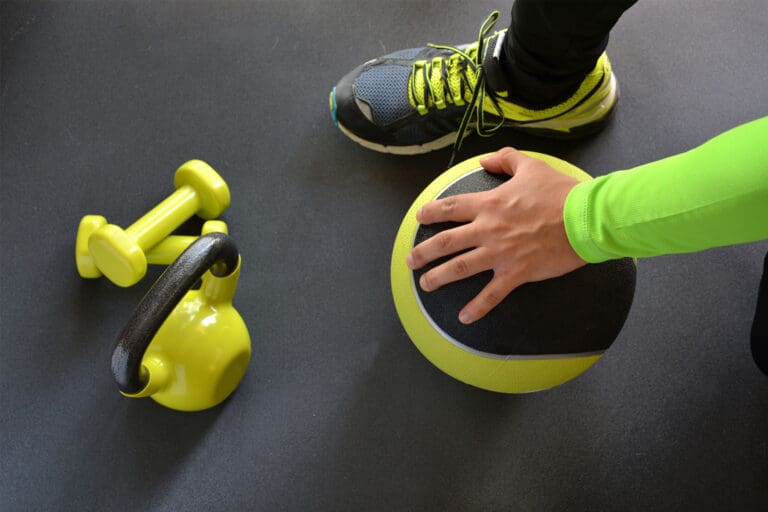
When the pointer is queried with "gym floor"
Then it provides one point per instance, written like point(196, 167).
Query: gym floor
point(102, 101)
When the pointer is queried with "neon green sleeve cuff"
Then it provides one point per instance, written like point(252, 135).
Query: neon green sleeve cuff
point(713, 195)
point(577, 216)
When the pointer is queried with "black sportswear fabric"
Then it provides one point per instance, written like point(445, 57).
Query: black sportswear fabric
point(760, 324)
point(552, 45)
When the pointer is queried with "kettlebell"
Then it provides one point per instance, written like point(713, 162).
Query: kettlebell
point(187, 349)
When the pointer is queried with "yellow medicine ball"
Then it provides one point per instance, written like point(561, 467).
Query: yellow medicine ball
point(542, 335)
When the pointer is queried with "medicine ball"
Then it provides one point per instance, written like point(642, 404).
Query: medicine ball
point(540, 336)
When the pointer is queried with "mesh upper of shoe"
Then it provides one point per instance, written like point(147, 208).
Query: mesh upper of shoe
point(382, 87)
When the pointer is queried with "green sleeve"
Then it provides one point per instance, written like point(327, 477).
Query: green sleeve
point(710, 196)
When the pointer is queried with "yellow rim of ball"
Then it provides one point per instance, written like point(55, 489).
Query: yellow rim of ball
point(504, 374)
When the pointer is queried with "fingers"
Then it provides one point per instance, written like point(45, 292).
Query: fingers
point(455, 269)
point(490, 297)
point(464, 207)
point(460, 208)
point(466, 265)
point(505, 160)
point(442, 244)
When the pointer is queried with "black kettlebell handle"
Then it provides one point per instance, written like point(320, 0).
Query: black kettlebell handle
point(203, 254)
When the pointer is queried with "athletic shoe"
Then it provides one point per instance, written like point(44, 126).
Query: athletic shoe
point(421, 99)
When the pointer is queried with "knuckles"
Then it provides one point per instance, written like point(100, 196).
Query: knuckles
point(437, 210)
point(460, 267)
point(443, 240)
point(489, 300)
point(448, 204)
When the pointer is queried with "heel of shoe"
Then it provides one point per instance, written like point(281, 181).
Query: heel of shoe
point(587, 118)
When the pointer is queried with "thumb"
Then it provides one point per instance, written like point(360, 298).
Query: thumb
point(505, 160)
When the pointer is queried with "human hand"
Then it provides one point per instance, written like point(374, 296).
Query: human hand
point(516, 230)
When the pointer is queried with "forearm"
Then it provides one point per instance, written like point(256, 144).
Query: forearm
point(713, 195)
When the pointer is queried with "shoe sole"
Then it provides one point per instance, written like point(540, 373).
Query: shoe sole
point(585, 119)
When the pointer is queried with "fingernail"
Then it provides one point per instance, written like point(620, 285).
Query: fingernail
point(409, 261)
point(418, 215)
point(465, 317)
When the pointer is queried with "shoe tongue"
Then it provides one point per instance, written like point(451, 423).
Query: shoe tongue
point(495, 77)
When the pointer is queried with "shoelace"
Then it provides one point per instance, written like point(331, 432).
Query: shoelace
point(474, 109)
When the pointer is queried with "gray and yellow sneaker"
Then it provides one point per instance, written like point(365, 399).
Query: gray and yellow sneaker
point(422, 99)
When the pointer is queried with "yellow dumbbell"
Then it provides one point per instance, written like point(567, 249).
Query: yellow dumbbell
point(120, 254)
point(163, 253)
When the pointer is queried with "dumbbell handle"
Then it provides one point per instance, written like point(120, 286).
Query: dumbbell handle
point(165, 252)
point(171, 247)
point(161, 220)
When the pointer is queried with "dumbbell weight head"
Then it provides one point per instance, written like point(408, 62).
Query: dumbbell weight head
point(86, 267)
point(120, 254)
point(117, 255)
point(212, 191)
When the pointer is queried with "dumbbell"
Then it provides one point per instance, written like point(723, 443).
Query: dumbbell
point(120, 254)
point(163, 253)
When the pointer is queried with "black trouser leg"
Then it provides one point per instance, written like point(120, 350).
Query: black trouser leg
point(552, 45)
point(759, 336)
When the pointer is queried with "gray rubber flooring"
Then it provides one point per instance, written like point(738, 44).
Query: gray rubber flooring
point(102, 101)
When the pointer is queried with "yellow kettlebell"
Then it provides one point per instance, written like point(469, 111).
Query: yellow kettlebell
point(187, 349)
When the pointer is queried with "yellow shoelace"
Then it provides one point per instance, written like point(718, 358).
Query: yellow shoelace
point(447, 79)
